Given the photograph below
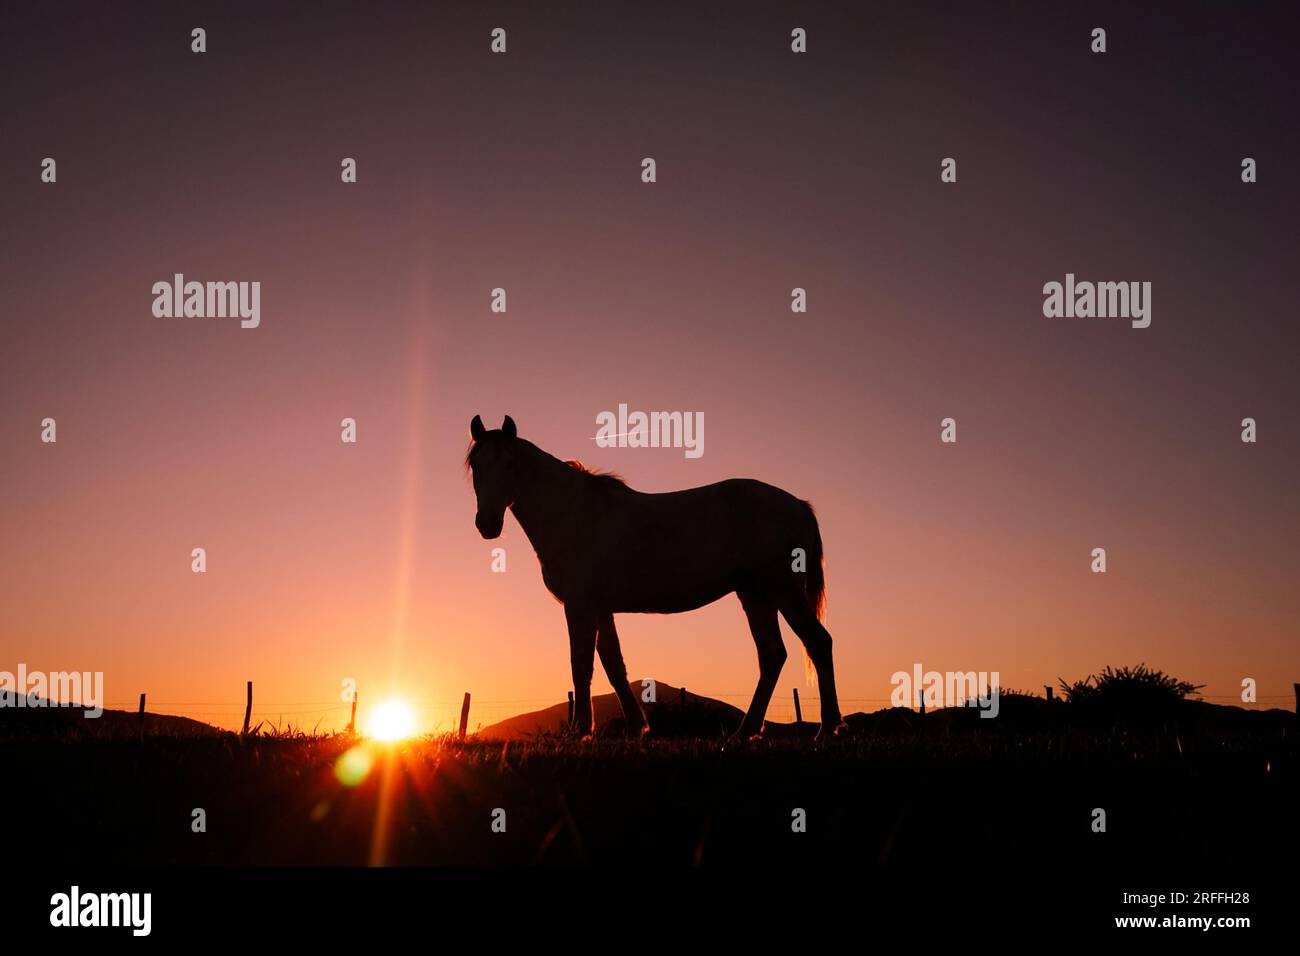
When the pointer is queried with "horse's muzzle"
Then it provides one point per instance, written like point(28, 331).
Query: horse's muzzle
point(488, 527)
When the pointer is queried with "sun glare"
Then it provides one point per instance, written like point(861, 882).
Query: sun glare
point(392, 720)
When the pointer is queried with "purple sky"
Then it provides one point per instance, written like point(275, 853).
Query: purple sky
point(775, 170)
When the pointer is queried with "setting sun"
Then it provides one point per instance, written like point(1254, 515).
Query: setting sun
point(392, 720)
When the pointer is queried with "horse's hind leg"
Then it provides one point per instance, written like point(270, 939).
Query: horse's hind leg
point(763, 624)
point(817, 642)
point(611, 658)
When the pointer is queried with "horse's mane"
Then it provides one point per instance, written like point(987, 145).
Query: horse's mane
point(602, 476)
point(605, 477)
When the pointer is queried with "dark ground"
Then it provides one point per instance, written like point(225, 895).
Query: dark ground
point(945, 793)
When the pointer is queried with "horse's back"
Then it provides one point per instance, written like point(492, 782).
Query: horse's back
point(677, 550)
point(735, 499)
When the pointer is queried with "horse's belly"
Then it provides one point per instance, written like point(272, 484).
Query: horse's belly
point(667, 604)
point(665, 592)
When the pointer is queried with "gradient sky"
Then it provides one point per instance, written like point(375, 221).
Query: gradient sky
point(329, 561)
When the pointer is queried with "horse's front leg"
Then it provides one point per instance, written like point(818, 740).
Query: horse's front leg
point(582, 653)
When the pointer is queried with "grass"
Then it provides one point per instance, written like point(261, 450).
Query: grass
point(941, 794)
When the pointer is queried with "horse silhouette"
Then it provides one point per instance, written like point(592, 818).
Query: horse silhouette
point(607, 549)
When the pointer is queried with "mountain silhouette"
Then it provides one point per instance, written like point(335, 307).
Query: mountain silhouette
point(674, 712)
point(59, 721)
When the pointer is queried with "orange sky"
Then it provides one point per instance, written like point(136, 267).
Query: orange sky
point(328, 561)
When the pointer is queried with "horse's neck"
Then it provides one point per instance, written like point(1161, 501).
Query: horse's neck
point(548, 503)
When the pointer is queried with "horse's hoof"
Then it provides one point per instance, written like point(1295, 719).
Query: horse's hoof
point(824, 734)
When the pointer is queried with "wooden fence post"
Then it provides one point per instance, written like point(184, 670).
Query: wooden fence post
point(922, 696)
point(1048, 688)
point(1296, 688)
point(570, 722)
point(464, 715)
point(248, 708)
point(798, 712)
point(352, 723)
point(142, 714)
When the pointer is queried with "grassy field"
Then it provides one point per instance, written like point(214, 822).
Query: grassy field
point(945, 793)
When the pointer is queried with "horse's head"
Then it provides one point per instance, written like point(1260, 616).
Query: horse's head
point(492, 463)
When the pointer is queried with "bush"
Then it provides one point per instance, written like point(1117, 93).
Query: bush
point(1129, 689)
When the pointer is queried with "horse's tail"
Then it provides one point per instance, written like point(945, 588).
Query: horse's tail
point(814, 588)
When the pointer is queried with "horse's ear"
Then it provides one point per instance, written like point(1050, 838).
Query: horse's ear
point(476, 429)
point(508, 427)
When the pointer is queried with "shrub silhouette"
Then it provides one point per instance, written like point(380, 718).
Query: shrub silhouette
point(1129, 692)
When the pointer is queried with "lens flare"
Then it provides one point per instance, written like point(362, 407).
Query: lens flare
point(353, 766)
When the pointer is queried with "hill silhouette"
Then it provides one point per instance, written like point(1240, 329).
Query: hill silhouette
point(60, 721)
point(676, 713)
point(673, 713)
point(1127, 700)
